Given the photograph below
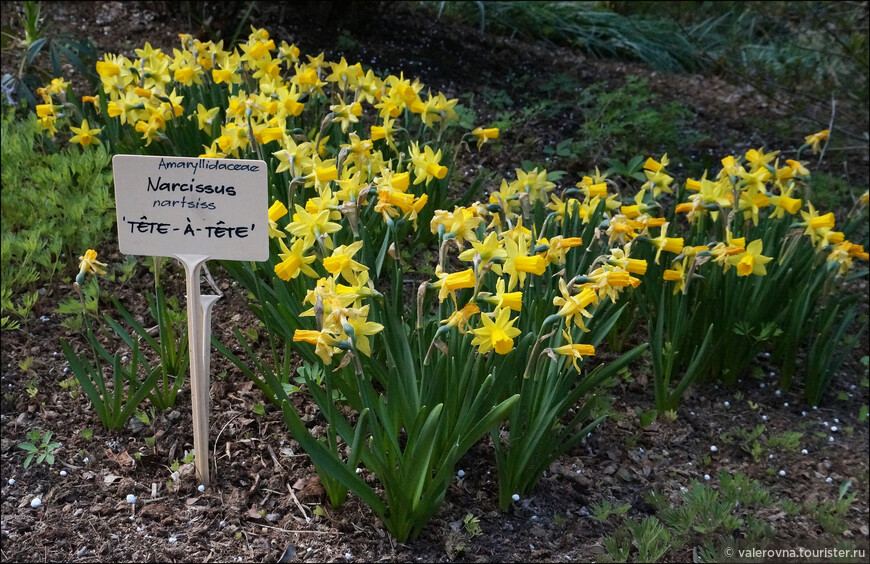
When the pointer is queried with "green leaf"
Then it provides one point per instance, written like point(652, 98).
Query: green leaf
point(28, 447)
point(648, 418)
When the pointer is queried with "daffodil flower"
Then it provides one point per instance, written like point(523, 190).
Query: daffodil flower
point(89, 264)
point(84, 135)
point(484, 135)
point(497, 333)
point(751, 261)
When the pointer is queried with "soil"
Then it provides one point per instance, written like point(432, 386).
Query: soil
point(261, 506)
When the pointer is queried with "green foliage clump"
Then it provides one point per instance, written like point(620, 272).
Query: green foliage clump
point(619, 123)
point(55, 205)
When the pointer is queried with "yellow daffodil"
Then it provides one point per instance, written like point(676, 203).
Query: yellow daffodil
point(89, 264)
point(484, 135)
point(751, 261)
point(573, 307)
point(815, 140)
point(497, 333)
point(512, 300)
point(84, 135)
point(461, 318)
point(294, 261)
point(341, 262)
point(276, 212)
point(677, 274)
point(575, 351)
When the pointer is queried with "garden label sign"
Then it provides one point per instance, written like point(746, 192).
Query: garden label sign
point(193, 209)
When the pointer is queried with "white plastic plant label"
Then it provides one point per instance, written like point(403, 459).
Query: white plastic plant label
point(168, 206)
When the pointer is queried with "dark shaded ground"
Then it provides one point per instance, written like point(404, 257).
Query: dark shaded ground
point(265, 490)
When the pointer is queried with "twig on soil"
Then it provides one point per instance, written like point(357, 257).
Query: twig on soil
point(214, 451)
point(299, 531)
point(299, 505)
point(274, 459)
point(69, 465)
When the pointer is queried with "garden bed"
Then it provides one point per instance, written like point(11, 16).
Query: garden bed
point(266, 502)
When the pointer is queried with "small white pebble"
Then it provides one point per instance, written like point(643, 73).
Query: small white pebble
point(825, 423)
point(461, 473)
point(172, 540)
point(131, 498)
point(63, 473)
point(11, 481)
point(834, 428)
point(761, 385)
point(534, 517)
point(309, 549)
point(764, 417)
point(727, 404)
point(782, 472)
point(804, 413)
point(805, 451)
point(815, 407)
point(124, 358)
point(359, 470)
point(714, 448)
point(35, 502)
point(767, 355)
point(778, 392)
point(772, 374)
point(692, 413)
point(132, 517)
point(770, 457)
point(830, 439)
point(828, 480)
point(785, 404)
point(201, 488)
point(86, 460)
point(836, 420)
point(223, 524)
point(515, 497)
point(706, 477)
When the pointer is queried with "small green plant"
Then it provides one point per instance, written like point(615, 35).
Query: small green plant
point(39, 445)
point(87, 434)
point(71, 385)
point(116, 404)
point(650, 538)
point(171, 344)
point(787, 440)
point(618, 545)
point(146, 417)
point(472, 525)
point(602, 511)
